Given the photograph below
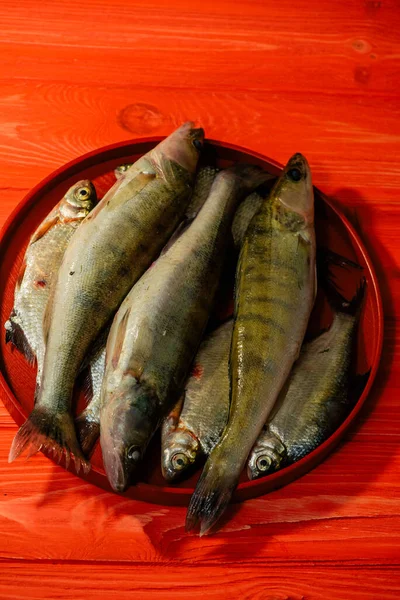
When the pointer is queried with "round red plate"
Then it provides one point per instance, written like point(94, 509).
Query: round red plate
point(17, 378)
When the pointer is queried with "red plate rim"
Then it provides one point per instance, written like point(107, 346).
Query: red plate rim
point(180, 496)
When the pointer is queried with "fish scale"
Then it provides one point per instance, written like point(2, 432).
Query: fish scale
point(277, 262)
point(331, 353)
point(315, 399)
point(88, 422)
point(266, 315)
point(194, 426)
point(158, 328)
point(39, 270)
point(108, 254)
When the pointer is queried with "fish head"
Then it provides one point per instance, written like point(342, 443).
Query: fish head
point(183, 146)
point(120, 171)
point(180, 451)
point(79, 200)
point(294, 190)
point(266, 456)
point(129, 417)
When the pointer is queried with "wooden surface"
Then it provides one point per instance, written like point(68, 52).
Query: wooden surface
point(278, 77)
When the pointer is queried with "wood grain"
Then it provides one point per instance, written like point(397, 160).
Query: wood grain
point(122, 581)
point(319, 77)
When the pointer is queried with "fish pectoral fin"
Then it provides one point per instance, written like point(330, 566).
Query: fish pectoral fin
point(135, 186)
point(51, 221)
point(304, 236)
point(16, 336)
point(21, 275)
point(179, 231)
point(119, 338)
point(162, 166)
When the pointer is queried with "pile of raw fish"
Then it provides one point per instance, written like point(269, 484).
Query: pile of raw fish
point(124, 288)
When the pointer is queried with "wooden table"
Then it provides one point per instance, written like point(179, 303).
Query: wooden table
point(278, 77)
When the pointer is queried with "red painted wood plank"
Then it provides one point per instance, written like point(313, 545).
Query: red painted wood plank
point(335, 44)
point(64, 120)
point(349, 502)
point(320, 77)
point(71, 581)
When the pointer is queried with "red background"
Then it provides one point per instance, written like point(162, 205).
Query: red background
point(277, 77)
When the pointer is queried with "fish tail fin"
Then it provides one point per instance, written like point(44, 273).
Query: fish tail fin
point(16, 336)
point(325, 260)
point(51, 431)
point(354, 306)
point(340, 304)
point(211, 496)
point(88, 432)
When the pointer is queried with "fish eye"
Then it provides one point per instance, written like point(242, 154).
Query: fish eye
point(294, 174)
point(133, 453)
point(263, 463)
point(179, 461)
point(198, 145)
point(83, 193)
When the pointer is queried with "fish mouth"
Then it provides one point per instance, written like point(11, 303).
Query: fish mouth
point(296, 193)
point(116, 472)
point(297, 169)
point(193, 131)
point(183, 146)
point(170, 475)
point(114, 464)
point(196, 133)
point(298, 161)
point(190, 131)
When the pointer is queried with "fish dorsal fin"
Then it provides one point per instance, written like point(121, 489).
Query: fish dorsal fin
point(119, 338)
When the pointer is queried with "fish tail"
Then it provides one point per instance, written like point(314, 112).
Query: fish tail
point(340, 304)
point(88, 432)
point(354, 306)
point(211, 496)
point(327, 257)
point(325, 260)
point(50, 431)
